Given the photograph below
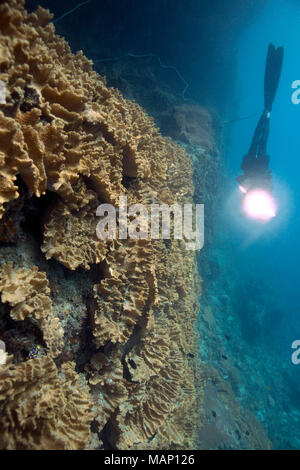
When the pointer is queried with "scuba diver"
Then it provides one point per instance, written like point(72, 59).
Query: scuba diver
point(255, 164)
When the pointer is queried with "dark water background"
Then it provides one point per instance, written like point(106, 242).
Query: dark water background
point(218, 48)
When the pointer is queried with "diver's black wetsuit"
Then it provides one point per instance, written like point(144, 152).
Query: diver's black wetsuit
point(255, 164)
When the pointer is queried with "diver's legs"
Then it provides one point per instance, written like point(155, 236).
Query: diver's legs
point(262, 146)
point(272, 74)
point(259, 132)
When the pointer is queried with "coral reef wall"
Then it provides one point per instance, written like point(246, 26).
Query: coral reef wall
point(67, 144)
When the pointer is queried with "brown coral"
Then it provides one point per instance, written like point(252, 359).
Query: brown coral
point(42, 410)
point(108, 387)
point(28, 293)
point(67, 232)
point(64, 131)
point(123, 295)
point(161, 377)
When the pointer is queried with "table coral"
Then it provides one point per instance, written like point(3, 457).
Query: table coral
point(28, 293)
point(42, 410)
point(66, 234)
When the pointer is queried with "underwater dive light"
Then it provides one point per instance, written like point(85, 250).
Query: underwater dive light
point(259, 204)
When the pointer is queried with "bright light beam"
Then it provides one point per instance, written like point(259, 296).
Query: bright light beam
point(259, 204)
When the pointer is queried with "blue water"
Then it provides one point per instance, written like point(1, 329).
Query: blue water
point(278, 23)
point(276, 253)
point(269, 254)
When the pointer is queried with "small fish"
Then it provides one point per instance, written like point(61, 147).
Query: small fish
point(34, 352)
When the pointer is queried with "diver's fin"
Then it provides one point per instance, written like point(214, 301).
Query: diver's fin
point(272, 74)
